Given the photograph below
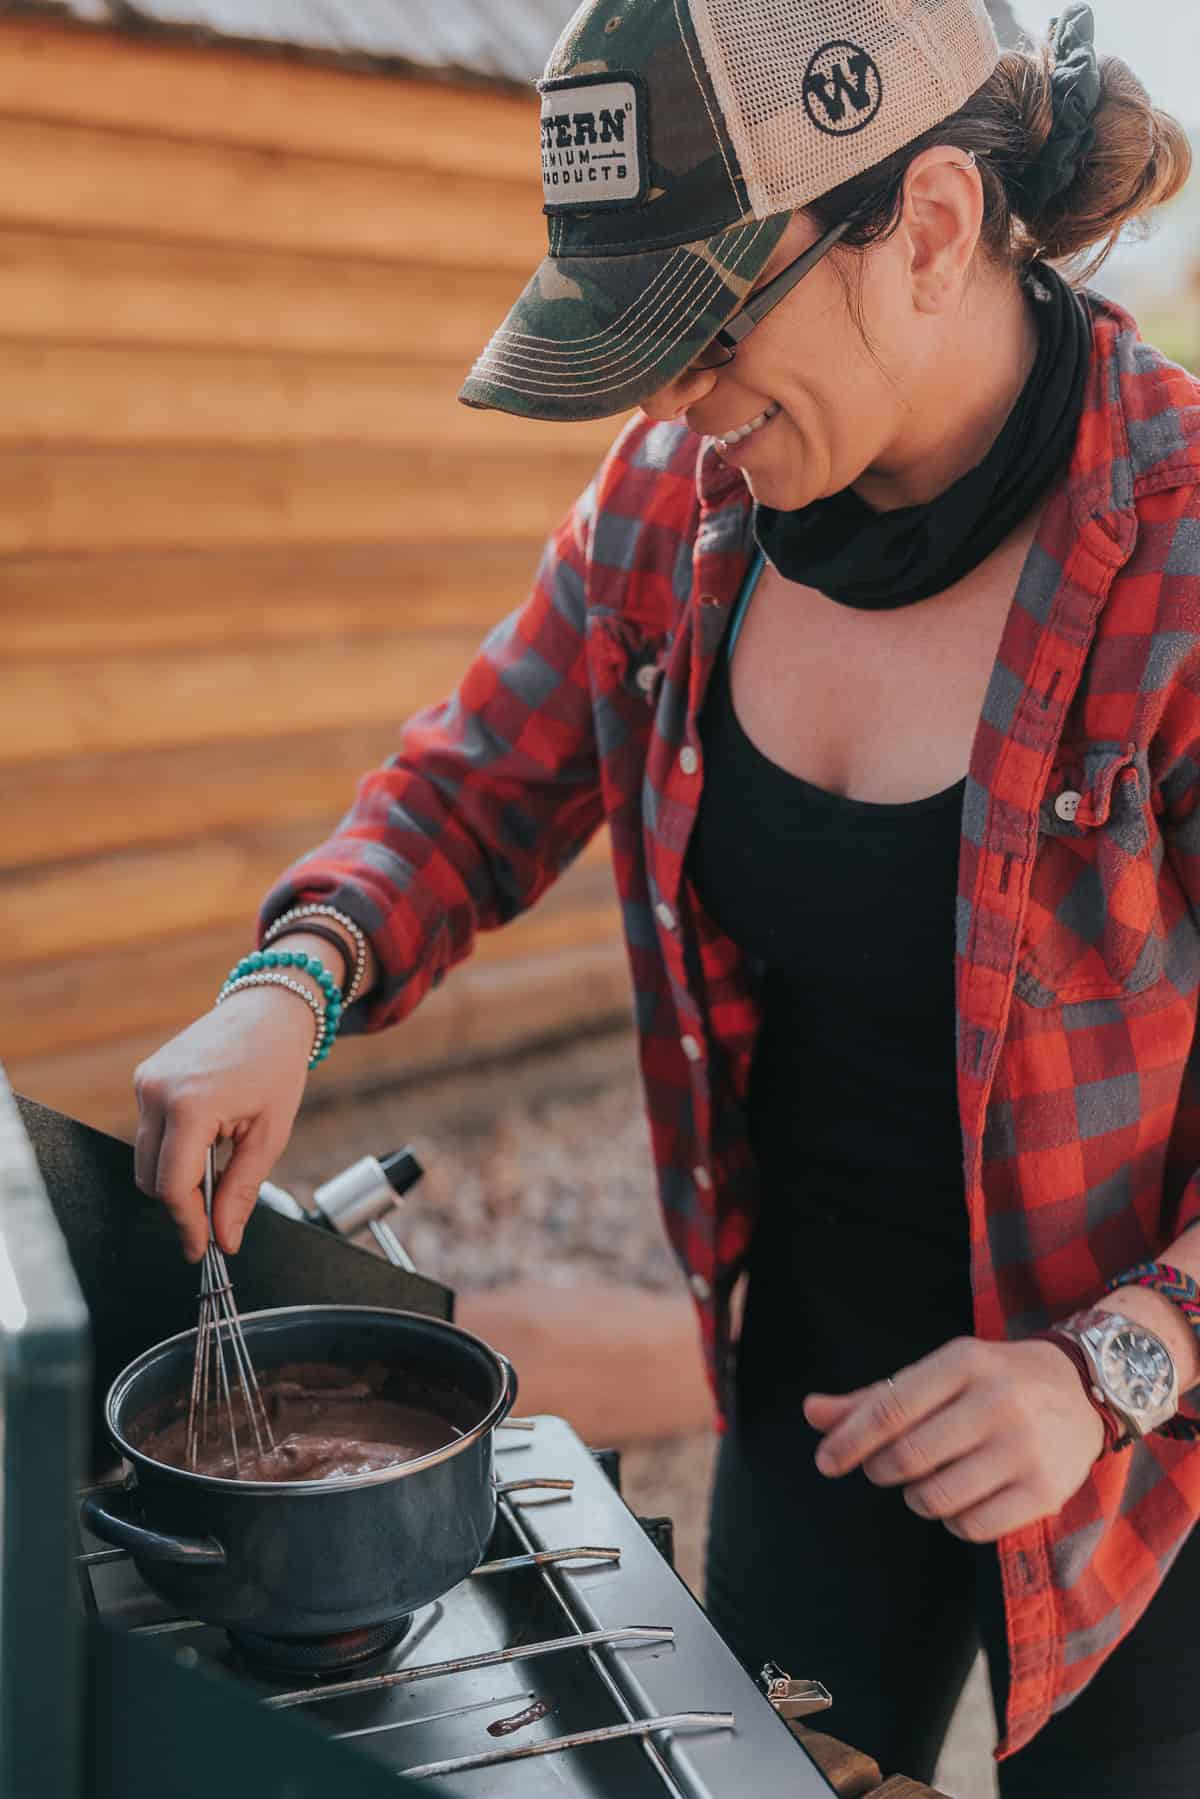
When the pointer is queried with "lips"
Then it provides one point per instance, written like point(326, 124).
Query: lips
point(756, 424)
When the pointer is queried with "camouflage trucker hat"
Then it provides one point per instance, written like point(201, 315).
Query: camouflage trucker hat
point(677, 138)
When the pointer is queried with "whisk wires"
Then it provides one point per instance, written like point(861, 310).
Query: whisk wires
point(220, 1341)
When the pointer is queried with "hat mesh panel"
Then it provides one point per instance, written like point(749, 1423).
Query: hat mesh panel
point(929, 57)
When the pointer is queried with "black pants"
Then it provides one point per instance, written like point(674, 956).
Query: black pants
point(840, 1582)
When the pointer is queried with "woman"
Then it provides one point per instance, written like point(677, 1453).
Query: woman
point(876, 644)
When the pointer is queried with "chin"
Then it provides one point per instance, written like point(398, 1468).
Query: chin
point(783, 492)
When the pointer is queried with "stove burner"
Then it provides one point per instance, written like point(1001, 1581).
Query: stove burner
point(324, 1657)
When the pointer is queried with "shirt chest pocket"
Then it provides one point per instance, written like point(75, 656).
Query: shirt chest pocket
point(1093, 928)
point(629, 662)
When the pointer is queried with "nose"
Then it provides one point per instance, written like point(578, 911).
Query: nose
point(673, 398)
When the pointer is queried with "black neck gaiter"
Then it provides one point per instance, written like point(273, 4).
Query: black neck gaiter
point(877, 561)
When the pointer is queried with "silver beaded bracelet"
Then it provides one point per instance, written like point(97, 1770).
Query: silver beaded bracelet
point(289, 920)
point(274, 978)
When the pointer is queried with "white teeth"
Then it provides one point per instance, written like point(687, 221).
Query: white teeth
point(735, 437)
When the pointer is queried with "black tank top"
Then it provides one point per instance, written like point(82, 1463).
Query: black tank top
point(848, 908)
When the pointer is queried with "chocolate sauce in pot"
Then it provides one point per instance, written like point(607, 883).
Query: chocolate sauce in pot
point(327, 1422)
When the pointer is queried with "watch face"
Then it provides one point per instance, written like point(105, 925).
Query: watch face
point(1137, 1369)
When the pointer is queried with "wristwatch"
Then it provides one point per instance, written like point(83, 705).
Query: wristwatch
point(1128, 1371)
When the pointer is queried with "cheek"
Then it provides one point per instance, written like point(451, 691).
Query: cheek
point(840, 419)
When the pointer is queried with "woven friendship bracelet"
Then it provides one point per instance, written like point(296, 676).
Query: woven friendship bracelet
point(1183, 1293)
point(297, 914)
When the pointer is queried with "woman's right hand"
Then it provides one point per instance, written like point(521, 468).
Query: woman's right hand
point(238, 1073)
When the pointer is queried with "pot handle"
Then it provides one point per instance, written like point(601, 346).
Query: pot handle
point(96, 1515)
point(508, 1397)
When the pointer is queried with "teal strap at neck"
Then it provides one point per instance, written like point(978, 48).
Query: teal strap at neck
point(743, 601)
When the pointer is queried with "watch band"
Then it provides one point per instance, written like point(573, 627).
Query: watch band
point(1115, 1435)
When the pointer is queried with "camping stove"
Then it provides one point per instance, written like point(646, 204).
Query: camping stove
point(572, 1662)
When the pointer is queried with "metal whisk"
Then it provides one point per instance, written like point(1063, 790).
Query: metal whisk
point(219, 1328)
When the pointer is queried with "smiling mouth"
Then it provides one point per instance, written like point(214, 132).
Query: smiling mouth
point(744, 431)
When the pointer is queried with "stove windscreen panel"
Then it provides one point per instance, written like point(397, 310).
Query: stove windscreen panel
point(135, 1283)
point(44, 1386)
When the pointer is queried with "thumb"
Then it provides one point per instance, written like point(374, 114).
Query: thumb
point(237, 1191)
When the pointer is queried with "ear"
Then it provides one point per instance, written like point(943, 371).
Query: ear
point(940, 222)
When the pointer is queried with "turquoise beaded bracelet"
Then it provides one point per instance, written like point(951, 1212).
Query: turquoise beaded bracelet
point(261, 961)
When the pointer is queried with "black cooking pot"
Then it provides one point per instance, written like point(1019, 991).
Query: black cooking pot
point(314, 1558)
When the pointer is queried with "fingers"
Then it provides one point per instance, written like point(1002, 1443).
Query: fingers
point(237, 1190)
point(824, 1410)
point(147, 1146)
point(959, 1486)
point(185, 1143)
point(1012, 1508)
point(946, 1435)
point(891, 1408)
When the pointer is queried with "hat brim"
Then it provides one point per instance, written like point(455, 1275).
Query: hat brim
point(592, 336)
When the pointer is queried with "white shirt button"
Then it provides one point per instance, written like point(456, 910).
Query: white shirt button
point(702, 1178)
point(700, 1287)
point(691, 1048)
point(1067, 804)
point(689, 761)
point(664, 915)
point(646, 677)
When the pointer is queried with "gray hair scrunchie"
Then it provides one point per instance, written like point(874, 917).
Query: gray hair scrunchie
point(1075, 94)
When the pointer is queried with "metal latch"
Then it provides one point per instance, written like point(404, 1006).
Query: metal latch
point(793, 1698)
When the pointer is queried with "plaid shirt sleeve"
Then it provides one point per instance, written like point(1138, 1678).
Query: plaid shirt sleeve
point(490, 797)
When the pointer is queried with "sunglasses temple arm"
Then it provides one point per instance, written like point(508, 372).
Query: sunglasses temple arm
point(743, 322)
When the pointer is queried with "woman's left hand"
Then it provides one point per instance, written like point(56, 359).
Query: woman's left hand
point(984, 1437)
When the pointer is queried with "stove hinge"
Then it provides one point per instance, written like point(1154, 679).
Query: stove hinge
point(793, 1698)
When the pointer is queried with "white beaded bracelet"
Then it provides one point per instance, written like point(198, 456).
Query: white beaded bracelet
point(289, 920)
point(274, 978)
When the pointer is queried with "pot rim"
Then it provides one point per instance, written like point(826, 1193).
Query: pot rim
point(314, 1488)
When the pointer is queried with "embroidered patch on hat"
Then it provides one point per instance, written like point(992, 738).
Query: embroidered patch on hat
point(843, 89)
point(593, 142)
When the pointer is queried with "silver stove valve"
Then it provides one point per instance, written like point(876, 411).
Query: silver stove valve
point(357, 1199)
point(793, 1698)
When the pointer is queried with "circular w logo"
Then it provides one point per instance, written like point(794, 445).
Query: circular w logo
point(843, 88)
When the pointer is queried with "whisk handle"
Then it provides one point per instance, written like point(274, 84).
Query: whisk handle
point(97, 1515)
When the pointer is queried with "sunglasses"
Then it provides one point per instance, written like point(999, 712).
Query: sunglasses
point(723, 347)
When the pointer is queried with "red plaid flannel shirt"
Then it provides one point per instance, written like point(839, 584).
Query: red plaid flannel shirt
point(1078, 953)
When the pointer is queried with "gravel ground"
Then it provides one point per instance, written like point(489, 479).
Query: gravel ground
point(542, 1167)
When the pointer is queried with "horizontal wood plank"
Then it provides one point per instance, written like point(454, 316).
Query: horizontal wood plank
point(70, 500)
point(89, 806)
point(74, 1002)
point(159, 895)
point(270, 102)
point(67, 811)
point(118, 289)
point(70, 606)
point(120, 703)
point(482, 1012)
point(102, 395)
point(78, 177)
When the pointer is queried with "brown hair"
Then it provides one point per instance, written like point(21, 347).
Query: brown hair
point(1138, 158)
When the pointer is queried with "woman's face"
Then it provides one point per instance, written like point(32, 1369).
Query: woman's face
point(835, 404)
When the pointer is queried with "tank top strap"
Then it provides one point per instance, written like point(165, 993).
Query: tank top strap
point(743, 602)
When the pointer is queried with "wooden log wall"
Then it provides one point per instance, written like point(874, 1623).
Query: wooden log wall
point(245, 527)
